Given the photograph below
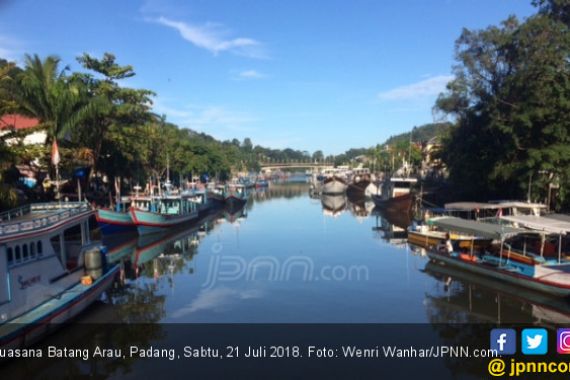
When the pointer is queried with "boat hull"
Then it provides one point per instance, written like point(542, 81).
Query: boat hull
point(111, 222)
point(358, 188)
point(430, 240)
point(560, 289)
point(334, 186)
point(402, 203)
point(150, 222)
point(34, 325)
point(234, 203)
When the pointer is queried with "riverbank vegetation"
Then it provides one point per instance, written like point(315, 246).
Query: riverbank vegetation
point(107, 128)
point(507, 134)
point(510, 100)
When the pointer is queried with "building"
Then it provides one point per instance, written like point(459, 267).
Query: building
point(21, 123)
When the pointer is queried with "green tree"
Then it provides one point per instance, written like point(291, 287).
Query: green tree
point(511, 98)
point(47, 93)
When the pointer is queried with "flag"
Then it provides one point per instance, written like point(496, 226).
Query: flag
point(55, 153)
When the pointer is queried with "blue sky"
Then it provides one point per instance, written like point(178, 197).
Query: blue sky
point(310, 75)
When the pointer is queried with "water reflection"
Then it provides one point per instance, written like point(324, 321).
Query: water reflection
point(391, 227)
point(164, 278)
point(462, 297)
point(333, 205)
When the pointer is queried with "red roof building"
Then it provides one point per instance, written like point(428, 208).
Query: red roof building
point(17, 121)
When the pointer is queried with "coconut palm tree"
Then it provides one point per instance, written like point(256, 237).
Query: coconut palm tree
point(60, 103)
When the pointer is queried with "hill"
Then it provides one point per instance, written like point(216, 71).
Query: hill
point(420, 134)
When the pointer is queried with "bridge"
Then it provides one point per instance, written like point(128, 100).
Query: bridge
point(270, 166)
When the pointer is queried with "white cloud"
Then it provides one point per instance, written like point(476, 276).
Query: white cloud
point(210, 118)
point(211, 37)
point(251, 74)
point(424, 88)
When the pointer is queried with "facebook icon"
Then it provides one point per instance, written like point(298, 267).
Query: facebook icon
point(504, 341)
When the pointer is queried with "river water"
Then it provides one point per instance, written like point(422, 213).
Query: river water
point(290, 258)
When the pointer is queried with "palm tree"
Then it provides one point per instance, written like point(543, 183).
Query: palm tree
point(60, 103)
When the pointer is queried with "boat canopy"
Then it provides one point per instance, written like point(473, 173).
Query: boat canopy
point(469, 206)
point(471, 227)
point(556, 224)
point(560, 217)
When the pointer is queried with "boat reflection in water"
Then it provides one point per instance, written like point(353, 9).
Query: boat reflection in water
point(360, 207)
point(392, 226)
point(464, 297)
point(158, 254)
point(284, 190)
point(333, 205)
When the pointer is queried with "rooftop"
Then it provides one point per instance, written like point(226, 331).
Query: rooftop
point(18, 122)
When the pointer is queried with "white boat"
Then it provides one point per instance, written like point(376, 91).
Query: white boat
point(335, 182)
point(542, 271)
point(50, 269)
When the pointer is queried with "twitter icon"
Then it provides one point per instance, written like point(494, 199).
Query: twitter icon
point(534, 341)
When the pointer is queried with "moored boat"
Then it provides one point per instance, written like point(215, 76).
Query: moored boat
point(532, 270)
point(396, 191)
point(115, 220)
point(334, 185)
point(235, 196)
point(164, 212)
point(425, 237)
point(360, 181)
point(52, 269)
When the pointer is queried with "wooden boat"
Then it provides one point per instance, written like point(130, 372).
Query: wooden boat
point(235, 196)
point(164, 212)
point(334, 185)
point(201, 199)
point(401, 203)
point(361, 179)
point(534, 271)
point(396, 194)
point(423, 237)
point(115, 221)
point(216, 194)
point(46, 253)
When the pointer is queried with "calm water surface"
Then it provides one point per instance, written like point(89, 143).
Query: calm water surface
point(286, 257)
point(290, 258)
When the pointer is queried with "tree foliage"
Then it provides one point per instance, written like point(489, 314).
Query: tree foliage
point(511, 99)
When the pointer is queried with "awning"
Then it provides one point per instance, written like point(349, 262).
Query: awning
point(471, 227)
point(549, 224)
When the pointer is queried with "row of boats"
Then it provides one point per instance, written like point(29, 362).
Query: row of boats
point(52, 261)
point(388, 192)
point(153, 213)
point(513, 242)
